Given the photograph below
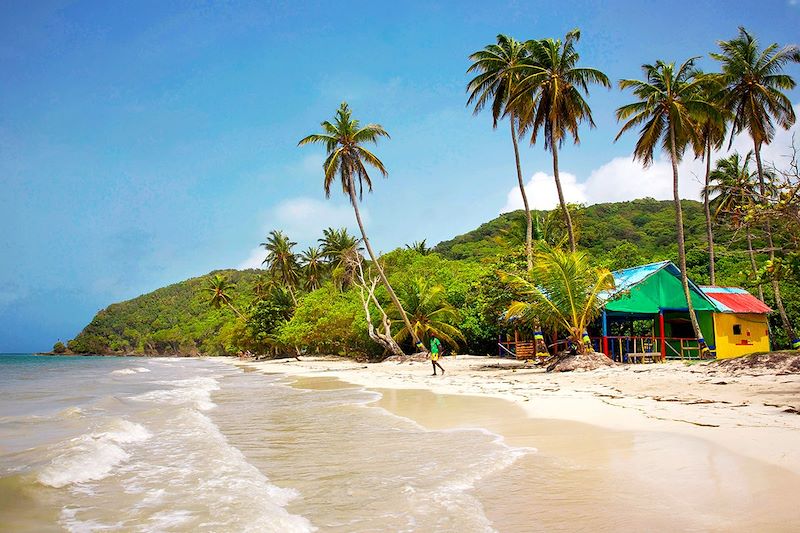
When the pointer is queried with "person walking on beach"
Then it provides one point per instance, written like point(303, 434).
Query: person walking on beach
point(435, 347)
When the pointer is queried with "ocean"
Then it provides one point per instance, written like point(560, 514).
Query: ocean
point(90, 444)
point(167, 444)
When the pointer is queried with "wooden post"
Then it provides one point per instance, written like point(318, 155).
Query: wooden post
point(661, 331)
point(605, 334)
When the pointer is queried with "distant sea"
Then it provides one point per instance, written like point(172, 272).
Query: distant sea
point(168, 444)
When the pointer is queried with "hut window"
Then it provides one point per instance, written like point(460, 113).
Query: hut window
point(737, 329)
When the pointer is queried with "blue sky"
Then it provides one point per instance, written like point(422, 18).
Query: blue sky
point(142, 143)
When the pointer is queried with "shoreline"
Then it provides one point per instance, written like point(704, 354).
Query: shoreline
point(754, 416)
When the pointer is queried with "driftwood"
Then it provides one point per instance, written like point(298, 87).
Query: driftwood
point(366, 292)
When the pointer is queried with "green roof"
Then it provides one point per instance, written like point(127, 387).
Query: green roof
point(648, 289)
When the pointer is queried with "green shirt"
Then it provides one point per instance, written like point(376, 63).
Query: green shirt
point(435, 345)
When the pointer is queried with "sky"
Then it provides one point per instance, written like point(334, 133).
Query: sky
point(146, 142)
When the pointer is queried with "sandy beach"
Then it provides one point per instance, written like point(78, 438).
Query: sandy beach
point(749, 414)
point(659, 446)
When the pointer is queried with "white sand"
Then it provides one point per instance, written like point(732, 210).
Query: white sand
point(752, 415)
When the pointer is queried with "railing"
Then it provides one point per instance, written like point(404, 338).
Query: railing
point(621, 348)
point(618, 348)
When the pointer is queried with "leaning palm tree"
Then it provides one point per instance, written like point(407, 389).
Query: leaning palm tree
point(498, 72)
point(281, 261)
point(754, 80)
point(711, 137)
point(553, 82)
point(430, 314)
point(672, 101)
point(220, 293)
point(343, 139)
point(313, 267)
point(565, 295)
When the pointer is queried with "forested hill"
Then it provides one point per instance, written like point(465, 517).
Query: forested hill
point(173, 319)
point(179, 319)
point(645, 226)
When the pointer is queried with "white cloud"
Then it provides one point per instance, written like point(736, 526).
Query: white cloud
point(303, 220)
point(622, 178)
point(542, 194)
point(617, 180)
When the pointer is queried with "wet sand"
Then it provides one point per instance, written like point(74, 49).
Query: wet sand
point(659, 447)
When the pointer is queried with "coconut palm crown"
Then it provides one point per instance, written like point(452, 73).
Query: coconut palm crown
point(221, 293)
point(343, 139)
point(431, 314)
point(566, 294)
point(672, 104)
point(754, 80)
point(281, 261)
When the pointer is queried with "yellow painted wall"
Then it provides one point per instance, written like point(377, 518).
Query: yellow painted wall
point(730, 345)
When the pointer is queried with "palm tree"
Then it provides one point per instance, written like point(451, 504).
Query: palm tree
point(498, 67)
point(261, 286)
point(313, 267)
point(339, 249)
point(281, 261)
point(753, 80)
point(730, 189)
point(672, 101)
point(711, 137)
point(430, 313)
point(554, 83)
point(343, 139)
point(420, 247)
point(220, 293)
point(565, 295)
point(335, 242)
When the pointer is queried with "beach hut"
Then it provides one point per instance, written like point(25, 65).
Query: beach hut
point(740, 322)
point(646, 316)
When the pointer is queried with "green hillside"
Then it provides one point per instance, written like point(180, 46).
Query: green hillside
point(178, 319)
point(173, 319)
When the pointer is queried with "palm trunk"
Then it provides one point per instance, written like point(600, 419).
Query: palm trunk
point(681, 245)
point(240, 315)
point(753, 265)
point(775, 287)
point(707, 209)
point(381, 273)
point(529, 230)
point(567, 217)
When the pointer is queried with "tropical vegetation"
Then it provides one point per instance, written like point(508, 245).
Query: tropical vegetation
point(331, 298)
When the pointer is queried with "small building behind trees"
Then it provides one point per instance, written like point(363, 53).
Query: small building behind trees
point(645, 318)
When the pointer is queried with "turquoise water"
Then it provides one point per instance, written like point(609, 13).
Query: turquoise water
point(178, 444)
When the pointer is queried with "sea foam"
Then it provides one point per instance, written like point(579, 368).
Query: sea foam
point(92, 456)
point(130, 370)
point(195, 392)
